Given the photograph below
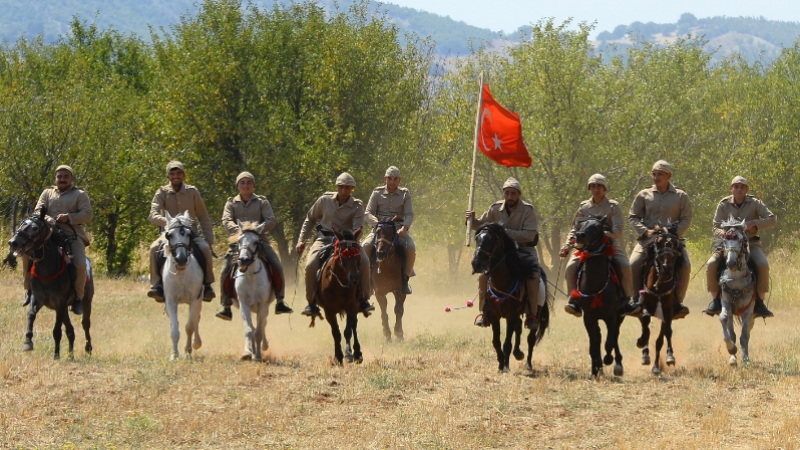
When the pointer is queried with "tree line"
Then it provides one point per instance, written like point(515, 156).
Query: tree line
point(296, 95)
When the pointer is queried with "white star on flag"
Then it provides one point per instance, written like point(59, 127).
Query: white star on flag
point(497, 143)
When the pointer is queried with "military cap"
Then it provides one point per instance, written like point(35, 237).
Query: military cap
point(662, 166)
point(65, 167)
point(345, 179)
point(512, 182)
point(392, 171)
point(740, 180)
point(245, 174)
point(174, 165)
point(598, 179)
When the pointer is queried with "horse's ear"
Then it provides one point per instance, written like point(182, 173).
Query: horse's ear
point(357, 234)
point(168, 216)
point(603, 219)
point(239, 224)
point(186, 214)
point(42, 212)
point(337, 234)
point(260, 227)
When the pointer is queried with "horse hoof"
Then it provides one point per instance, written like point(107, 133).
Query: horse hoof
point(88, 349)
point(173, 358)
point(519, 355)
point(670, 360)
point(506, 370)
point(56, 357)
point(618, 371)
point(529, 367)
point(27, 347)
point(640, 343)
point(388, 338)
point(188, 357)
point(656, 371)
point(264, 346)
point(745, 360)
point(71, 357)
point(731, 346)
point(399, 339)
point(732, 361)
point(359, 360)
point(645, 360)
point(246, 357)
point(258, 360)
point(349, 358)
point(608, 359)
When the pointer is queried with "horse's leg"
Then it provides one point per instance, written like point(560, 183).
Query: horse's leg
point(86, 322)
point(352, 318)
point(644, 339)
point(337, 336)
point(174, 330)
point(618, 369)
point(382, 302)
point(70, 332)
point(531, 343)
point(250, 342)
point(399, 309)
point(595, 339)
point(744, 340)
point(261, 327)
point(28, 345)
point(61, 311)
point(348, 334)
point(518, 353)
point(728, 333)
point(511, 327)
point(659, 345)
point(496, 343)
point(192, 328)
point(668, 335)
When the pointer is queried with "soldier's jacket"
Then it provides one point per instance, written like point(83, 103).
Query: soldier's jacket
point(521, 225)
point(650, 208)
point(606, 207)
point(187, 199)
point(256, 210)
point(330, 215)
point(752, 209)
point(382, 205)
point(74, 202)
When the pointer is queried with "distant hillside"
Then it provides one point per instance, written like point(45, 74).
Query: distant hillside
point(748, 35)
point(51, 18)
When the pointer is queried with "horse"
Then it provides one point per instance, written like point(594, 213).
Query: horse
point(658, 295)
point(337, 293)
point(496, 257)
point(387, 275)
point(598, 292)
point(183, 281)
point(738, 288)
point(253, 289)
point(52, 282)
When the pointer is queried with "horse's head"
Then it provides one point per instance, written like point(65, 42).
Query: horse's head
point(31, 235)
point(591, 233)
point(248, 240)
point(179, 238)
point(734, 243)
point(348, 253)
point(666, 251)
point(489, 245)
point(385, 237)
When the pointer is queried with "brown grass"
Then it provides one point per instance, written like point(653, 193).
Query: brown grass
point(439, 389)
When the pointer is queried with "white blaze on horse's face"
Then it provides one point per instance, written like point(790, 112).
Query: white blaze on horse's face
point(179, 238)
point(248, 244)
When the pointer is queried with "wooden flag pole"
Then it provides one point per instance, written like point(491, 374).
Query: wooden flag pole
point(471, 205)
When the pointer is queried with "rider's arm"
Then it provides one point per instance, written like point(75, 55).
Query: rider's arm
point(636, 215)
point(312, 217)
point(408, 211)
point(228, 219)
point(686, 215)
point(156, 207)
point(571, 234)
point(767, 218)
point(615, 217)
point(358, 217)
point(370, 215)
point(205, 221)
point(267, 216)
point(84, 212)
point(719, 216)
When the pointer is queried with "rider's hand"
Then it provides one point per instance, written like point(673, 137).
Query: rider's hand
point(564, 252)
point(652, 231)
point(62, 218)
point(469, 216)
point(750, 226)
point(300, 247)
point(401, 232)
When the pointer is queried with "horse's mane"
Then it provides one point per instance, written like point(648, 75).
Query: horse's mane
point(519, 269)
point(247, 226)
point(180, 220)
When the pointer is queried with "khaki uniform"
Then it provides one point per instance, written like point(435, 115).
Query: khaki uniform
point(75, 203)
point(651, 208)
point(754, 210)
point(257, 210)
point(187, 199)
point(331, 215)
point(385, 205)
point(522, 226)
point(610, 208)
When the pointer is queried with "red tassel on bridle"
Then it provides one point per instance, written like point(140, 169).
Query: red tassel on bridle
point(575, 294)
point(597, 302)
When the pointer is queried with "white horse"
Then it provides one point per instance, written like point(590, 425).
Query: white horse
point(183, 281)
point(738, 288)
point(253, 290)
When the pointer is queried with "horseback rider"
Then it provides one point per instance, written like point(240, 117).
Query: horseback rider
point(655, 208)
point(518, 218)
point(757, 217)
point(599, 205)
point(250, 207)
point(386, 202)
point(175, 198)
point(68, 207)
point(333, 210)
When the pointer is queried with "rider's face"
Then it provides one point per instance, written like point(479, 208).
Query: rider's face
point(246, 187)
point(598, 190)
point(176, 176)
point(392, 183)
point(739, 191)
point(63, 179)
point(660, 178)
point(511, 197)
point(344, 192)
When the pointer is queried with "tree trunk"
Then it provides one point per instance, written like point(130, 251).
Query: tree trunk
point(285, 251)
point(454, 257)
point(111, 244)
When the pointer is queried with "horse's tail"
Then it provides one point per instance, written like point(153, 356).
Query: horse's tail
point(544, 313)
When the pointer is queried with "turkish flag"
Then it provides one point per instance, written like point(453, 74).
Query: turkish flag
point(501, 134)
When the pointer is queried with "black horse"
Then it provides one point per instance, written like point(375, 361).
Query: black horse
point(496, 257)
point(598, 291)
point(52, 277)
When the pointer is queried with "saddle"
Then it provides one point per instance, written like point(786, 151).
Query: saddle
point(229, 287)
point(63, 242)
point(324, 255)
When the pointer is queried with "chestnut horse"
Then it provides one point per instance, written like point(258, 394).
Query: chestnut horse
point(387, 275)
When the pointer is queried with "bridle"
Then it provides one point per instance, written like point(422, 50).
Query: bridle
point(252, 249)
point(343, 249)
point(182, 230)
point(660, 266)
point(497, 295)
point(606, 249)
point(33, 242)
point(391, 242)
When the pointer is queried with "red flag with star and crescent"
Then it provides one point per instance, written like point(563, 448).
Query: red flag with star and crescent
point(501, 134)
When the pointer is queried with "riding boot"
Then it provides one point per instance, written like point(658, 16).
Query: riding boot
point(364, 306)
point(760, 309)
point(28, 297)
point(532, 322)
point(715, 307)
point(632, 309)
point(311, 310)
point(573, 307)
point(77, 308)
point(479, 321)
point(225, 313)
point(157, 292)
point(406, 287)
point(282, 308)
point(679, 311)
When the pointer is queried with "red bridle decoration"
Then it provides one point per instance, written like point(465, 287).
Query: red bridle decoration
point(347, 252)
point(605, 249)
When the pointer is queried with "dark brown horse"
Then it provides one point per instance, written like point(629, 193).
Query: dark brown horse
point(337, 292)
point(496, 257)
point(387, 275)
point(52, 282)
point(658, 295)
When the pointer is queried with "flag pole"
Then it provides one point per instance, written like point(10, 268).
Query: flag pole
point(471, 205)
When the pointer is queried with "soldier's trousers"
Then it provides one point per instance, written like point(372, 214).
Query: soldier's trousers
point(155, 276)
point(638, 257)
point(407, 243)
point(624, 278)
point(272, 259)
point(758, 257)
point(313, 265)
point(78, 250)
point(531, 283)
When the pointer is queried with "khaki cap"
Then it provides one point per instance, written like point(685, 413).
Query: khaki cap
point(65, 167)
point(174, 165)
point(245, 174)
point(740, 180)
point(392, 171)
point(662, 166)
point(345, 179)
point(512, 182)
point(598, 179)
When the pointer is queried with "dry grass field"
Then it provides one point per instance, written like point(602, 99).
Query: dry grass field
point(438, 389)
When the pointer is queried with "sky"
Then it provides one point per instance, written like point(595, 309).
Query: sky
point(508, 15)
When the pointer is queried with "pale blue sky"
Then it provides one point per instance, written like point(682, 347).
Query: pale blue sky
point(508, 15)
